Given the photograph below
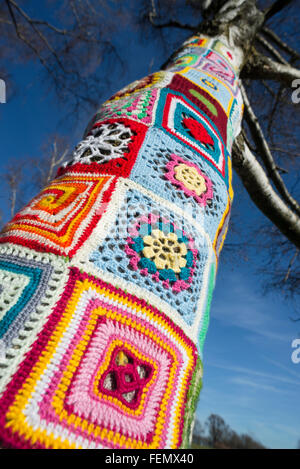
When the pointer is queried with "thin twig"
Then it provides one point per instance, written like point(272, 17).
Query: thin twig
point(265, 153)
point(283, 45)
point(291, 265)
point(37, 31)
point(271, 49)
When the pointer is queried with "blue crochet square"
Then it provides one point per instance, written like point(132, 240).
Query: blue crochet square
point(124, 252)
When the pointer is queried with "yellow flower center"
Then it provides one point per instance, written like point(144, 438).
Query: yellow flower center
point(165, 250)
point(190, 178)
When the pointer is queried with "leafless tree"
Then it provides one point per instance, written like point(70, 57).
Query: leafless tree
point(54, 152)
point(218, 430)
point(266, 153)
point(198, 433)
point(220, 435)
point(13, 177)
point(69, 47)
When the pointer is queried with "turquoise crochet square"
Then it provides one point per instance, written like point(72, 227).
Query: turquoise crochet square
point(22, 284)
point(176, 274)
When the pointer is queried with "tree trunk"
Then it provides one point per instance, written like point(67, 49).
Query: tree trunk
point(109, 271)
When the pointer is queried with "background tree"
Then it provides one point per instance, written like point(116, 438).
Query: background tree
point(261, 175)
point(13, 179)
point(198, 433)
point(70, 45)
point(220, 435)
point(218, 430)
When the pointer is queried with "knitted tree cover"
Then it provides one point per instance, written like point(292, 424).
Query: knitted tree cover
point(107, 274)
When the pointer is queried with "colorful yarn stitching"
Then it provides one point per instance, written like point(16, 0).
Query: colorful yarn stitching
point(106, 276)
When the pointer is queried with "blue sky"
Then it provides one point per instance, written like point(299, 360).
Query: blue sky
point(249, 378)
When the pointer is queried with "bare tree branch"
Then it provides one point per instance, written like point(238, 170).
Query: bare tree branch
point(262, 67)
point(291, 265)
point(153, 12)
point(33, 23)
point(54, 154)
point(273, 112)
point(276, 7)
point(13, 178)
point(60, 50)
point(23, 38)
point(262, 193)
point(169, 24)
point(283, 45)
point(271, 49)
point(289, 152)
point(55, 161)
point(265, 153)
point(172, 24)
point(266, 85)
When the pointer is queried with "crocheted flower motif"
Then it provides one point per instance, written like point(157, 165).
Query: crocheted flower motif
point(190, 179)
point(125, 378)
point(159, 248)
point(165, 250)
point(105, 143)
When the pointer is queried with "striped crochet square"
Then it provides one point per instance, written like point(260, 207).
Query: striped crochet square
point(30, 285)
point(179, 117)
point(63, 215)
point(203, 101)
point(213, 85)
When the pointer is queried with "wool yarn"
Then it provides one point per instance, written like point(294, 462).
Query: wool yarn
point(106, 276)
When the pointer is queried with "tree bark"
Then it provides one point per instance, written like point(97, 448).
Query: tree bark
point(262, 193)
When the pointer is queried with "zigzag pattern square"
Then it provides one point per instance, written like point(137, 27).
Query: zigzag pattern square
point(98, 332)
point(63, 215)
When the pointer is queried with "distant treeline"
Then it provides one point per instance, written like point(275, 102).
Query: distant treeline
point(215, 433)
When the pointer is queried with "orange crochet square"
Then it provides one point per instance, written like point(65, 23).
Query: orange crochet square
point(63, 215)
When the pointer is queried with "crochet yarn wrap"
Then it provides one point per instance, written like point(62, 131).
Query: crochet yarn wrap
point(107, 274)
